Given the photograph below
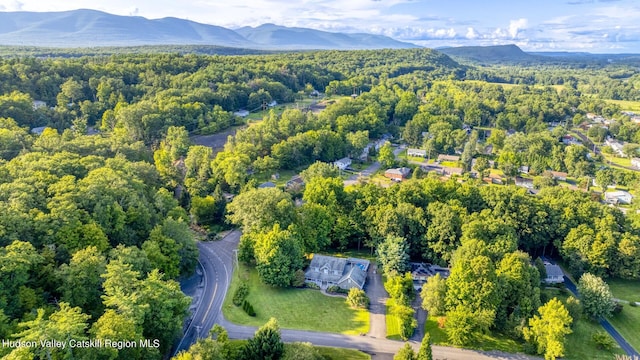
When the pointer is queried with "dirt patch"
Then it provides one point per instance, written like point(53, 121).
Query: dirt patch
point(215, 141)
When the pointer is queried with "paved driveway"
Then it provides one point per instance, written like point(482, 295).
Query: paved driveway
point(378, 296)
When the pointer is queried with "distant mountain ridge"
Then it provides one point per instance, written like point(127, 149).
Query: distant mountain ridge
point(497, 53)
point(90, 28)
point(513, 54)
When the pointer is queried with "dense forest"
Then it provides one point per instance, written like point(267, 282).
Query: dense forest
point(95, 229)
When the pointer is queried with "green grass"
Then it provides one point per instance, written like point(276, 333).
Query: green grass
point(303, 309)
point(628, 290)
point(625, 105)
point(450, 163)
point(628, 325)
point(578, 345)
point(491, 341)
point(616, 160)
point(393, 322)
point(285, 175)
point(331, 353)
point(363, 253)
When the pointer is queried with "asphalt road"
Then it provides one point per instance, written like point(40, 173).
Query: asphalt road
point(216, 261)
point(215, 265)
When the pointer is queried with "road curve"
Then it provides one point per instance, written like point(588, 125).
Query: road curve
point(216, 260)
point(215, 263)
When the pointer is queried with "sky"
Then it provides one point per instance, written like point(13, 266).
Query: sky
point(597, 26)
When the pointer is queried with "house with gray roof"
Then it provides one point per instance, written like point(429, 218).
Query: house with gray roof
point(346, 273)
point(554, 273)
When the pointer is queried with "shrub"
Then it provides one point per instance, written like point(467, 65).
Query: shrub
point(298, 279)
point(358, 298)
point(311, 285)
point(602, 340)
point(248, 308)
point(333, 289)
point(617, 309)
point(241, 294)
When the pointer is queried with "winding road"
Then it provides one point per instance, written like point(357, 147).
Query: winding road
point(216, 267)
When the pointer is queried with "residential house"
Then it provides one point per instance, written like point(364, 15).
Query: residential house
point(618, 197)
point(417, 152)
point(635, 162)
point(37, 104)
point(524, 182)
point(452, 158)
point(267, 184)
point(615, 145)
point(421, 272)
point(272, 103)
point(241, 113)
point(448, 171)
point(326, 271)
point(554, 273)
point(295, 182)
point(524, 169)
point(570, 140)
point(38, 130)
point(488, 150)
point(559, 175)
point(342, 163)
point(398, 174)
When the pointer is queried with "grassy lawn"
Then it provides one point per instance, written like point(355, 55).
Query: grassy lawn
point(628, 321)
point(303, 309)
point(450, 163)
point(578, 345)
point(625, 105)
point(393, 323)
point(616, 160)
point(625, 289)
point(484, 342)
point(628, 325)
point(363, 253)
point(285, 175)
point(331, 353)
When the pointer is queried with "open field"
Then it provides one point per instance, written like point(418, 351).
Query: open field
point(292, 307)
point(626, 105)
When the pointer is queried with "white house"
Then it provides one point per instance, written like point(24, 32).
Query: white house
point(417, 152)
point(635, 162)
point(615, 145)
point(618, 197)
point(342, 163)
point(554, 274)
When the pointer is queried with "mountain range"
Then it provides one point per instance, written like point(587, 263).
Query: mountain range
point(91, 28)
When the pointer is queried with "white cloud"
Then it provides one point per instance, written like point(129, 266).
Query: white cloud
point(516, 25)
point(11, 5)
point(471, 33)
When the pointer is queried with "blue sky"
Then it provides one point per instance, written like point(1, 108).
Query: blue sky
point(599, 26)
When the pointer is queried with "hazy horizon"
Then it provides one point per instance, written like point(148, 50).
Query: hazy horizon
point(596, 26)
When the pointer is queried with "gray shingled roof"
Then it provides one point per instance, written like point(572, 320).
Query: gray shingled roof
point(356, 275)
point(553, 270)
